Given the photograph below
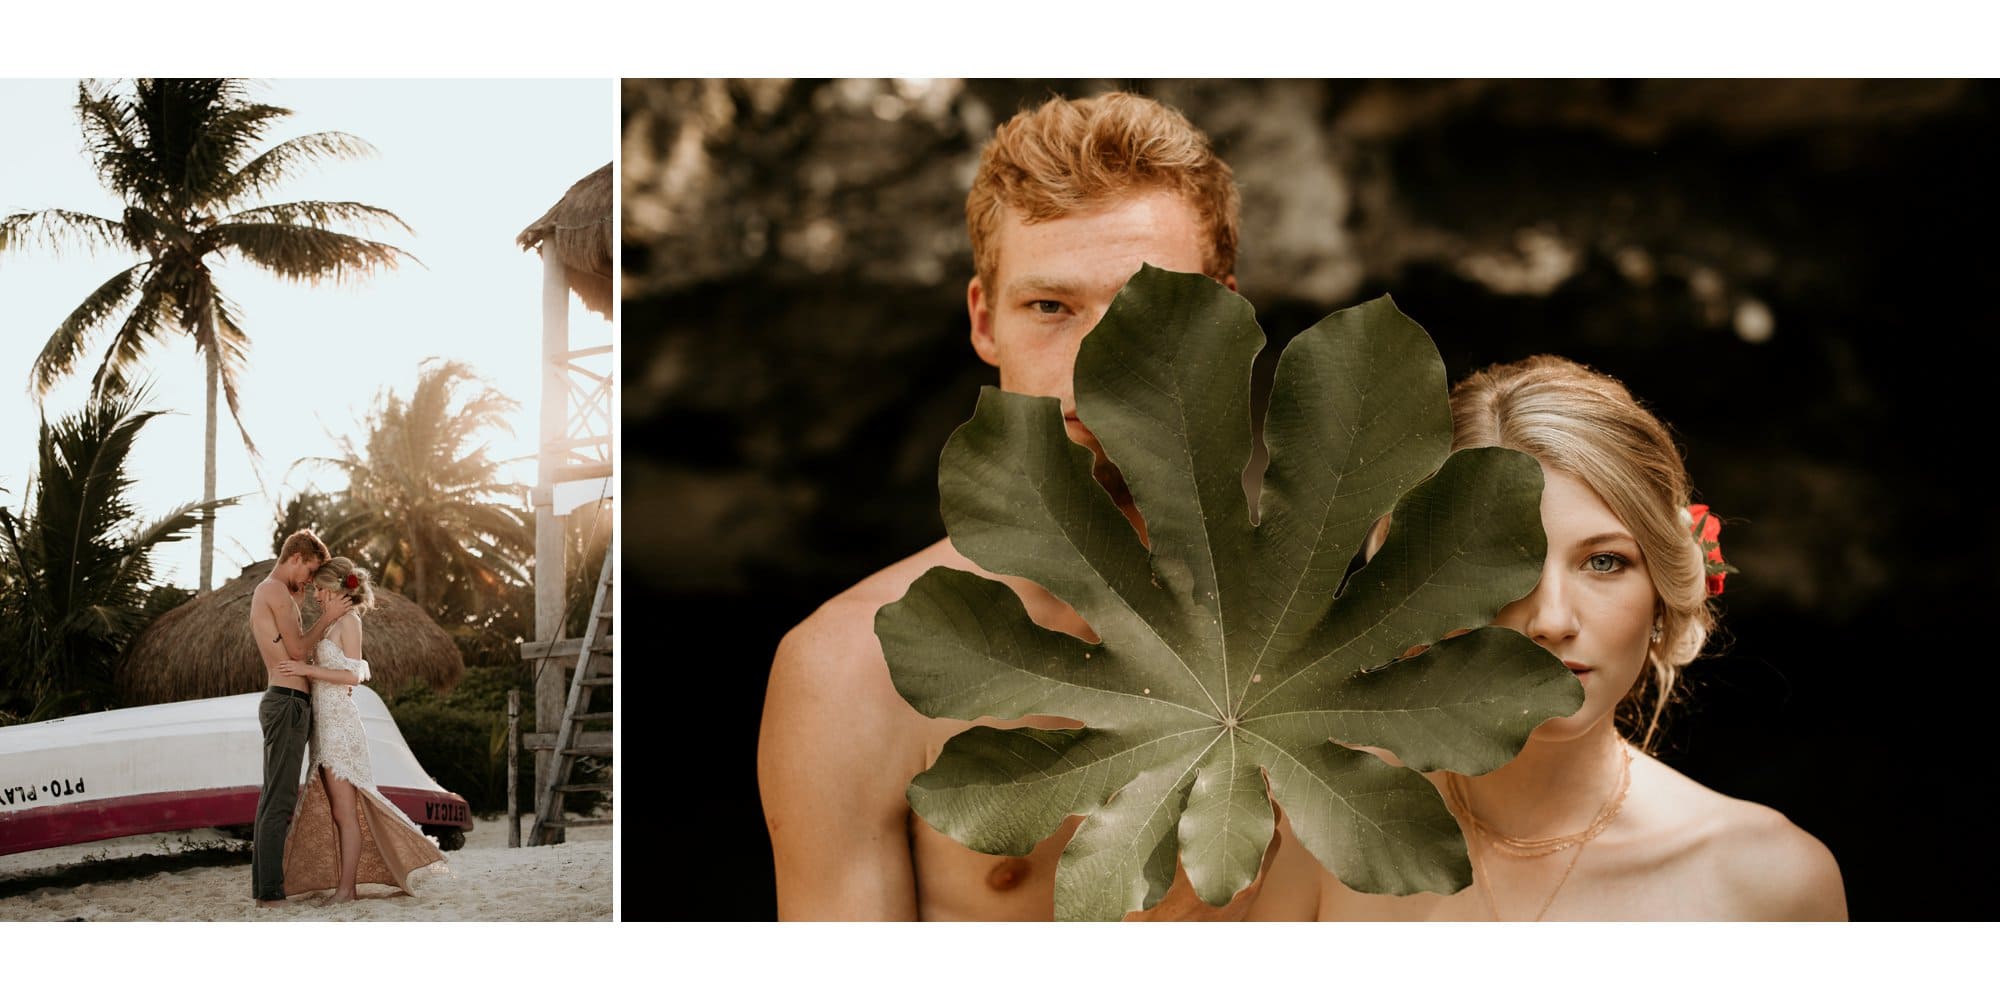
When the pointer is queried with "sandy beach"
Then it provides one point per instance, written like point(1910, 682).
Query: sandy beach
point(204, 875)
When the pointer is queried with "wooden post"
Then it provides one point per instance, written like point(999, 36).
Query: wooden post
point(551, 687)
point(513, 766)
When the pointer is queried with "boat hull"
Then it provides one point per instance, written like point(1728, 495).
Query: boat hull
point(179, 766)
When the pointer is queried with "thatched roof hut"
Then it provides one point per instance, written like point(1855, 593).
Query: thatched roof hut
point(577, 229)
point(203, 649)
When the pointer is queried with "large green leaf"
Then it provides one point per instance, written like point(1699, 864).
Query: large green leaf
point(1235, 656)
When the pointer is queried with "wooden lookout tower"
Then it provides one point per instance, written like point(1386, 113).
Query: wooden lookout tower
point(574, 468)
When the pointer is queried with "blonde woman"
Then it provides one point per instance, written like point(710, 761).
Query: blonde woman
point(345, 832)
point(1584, 824)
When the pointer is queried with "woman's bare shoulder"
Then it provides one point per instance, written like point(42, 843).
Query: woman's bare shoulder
point(1769, 867)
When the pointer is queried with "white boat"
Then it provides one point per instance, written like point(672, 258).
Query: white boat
point(184, 765)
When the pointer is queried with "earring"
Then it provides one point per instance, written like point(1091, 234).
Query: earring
point(1656, 631)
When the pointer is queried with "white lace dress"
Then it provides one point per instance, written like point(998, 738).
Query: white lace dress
point(391, 845)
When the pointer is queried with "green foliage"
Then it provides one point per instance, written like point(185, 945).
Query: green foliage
point(464, 748)
point(181, 154)
point(1238, 661)
point(428, 508)
point(162, 599)
point(310, 510)
point(77, 563)
point(486, 647)
point(460, 738)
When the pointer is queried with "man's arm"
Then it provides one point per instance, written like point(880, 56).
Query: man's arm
point(299, 668)
point(834, 754)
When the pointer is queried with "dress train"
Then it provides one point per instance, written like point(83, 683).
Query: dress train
point(391, 845)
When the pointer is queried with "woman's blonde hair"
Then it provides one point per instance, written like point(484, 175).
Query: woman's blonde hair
point(1584, 423)
point(1068, 156)
point(333, 575)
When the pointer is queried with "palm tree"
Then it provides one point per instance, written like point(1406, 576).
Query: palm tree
point(77, 564)
point(181, 155)
point(426, 506)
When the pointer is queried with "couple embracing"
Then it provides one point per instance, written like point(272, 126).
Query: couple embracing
point(336, 829)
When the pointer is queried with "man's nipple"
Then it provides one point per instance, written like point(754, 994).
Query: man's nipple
point(1009, 873)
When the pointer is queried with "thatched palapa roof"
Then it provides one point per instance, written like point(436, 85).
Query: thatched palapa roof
point(204, 649)
point(577, 228)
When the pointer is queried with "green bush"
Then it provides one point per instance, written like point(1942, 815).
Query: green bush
point(464, 749)
point(495, 649)
point(460, 738)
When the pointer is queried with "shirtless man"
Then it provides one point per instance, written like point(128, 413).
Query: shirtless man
point(1069, 200)
point(286, 711)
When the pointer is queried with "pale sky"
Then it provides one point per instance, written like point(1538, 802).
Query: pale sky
point(466, 163)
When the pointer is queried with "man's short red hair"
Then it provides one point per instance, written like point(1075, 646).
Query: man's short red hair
point(304, 543)
point(1072, 155)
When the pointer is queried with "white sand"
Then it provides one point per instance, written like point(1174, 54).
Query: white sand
point(203, 875)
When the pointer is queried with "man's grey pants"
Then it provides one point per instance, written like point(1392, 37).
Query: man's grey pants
point(286, 716)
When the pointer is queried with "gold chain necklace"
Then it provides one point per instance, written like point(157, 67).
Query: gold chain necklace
point(1536, 847)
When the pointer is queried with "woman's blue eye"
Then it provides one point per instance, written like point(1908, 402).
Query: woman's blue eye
point(1605, 562)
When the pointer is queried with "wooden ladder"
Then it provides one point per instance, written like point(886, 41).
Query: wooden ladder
point(594, 668)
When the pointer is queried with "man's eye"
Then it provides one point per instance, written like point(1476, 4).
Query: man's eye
point(1047, 307)
point(1605, 562)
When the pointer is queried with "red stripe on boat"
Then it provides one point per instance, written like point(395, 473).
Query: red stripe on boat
point(132, 815)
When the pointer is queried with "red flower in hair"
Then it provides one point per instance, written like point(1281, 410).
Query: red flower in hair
point(1707, 530)
point(352, 582)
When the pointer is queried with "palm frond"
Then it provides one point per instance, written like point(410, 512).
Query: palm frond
point(234, 345)
point(78, 574)
point(226, 144)
point(175, 525)
point(140, 330)
point(197, 132)
point(59, 355)
point(105, 434)
point(303, 253)
point(319, 214)
point(156, 235)
point(111, 137)
point(58, 228)
point(276, 164)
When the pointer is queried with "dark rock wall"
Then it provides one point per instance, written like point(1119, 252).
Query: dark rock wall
point(1786, 270)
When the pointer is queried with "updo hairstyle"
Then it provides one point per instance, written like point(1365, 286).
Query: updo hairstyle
point(1584, 423)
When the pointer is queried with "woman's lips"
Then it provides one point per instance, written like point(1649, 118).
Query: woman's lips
point(1576, 668)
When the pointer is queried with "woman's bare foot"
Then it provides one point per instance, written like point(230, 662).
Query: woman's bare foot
point(343, 897)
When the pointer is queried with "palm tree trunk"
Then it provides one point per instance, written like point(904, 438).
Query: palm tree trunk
point(208, 337)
